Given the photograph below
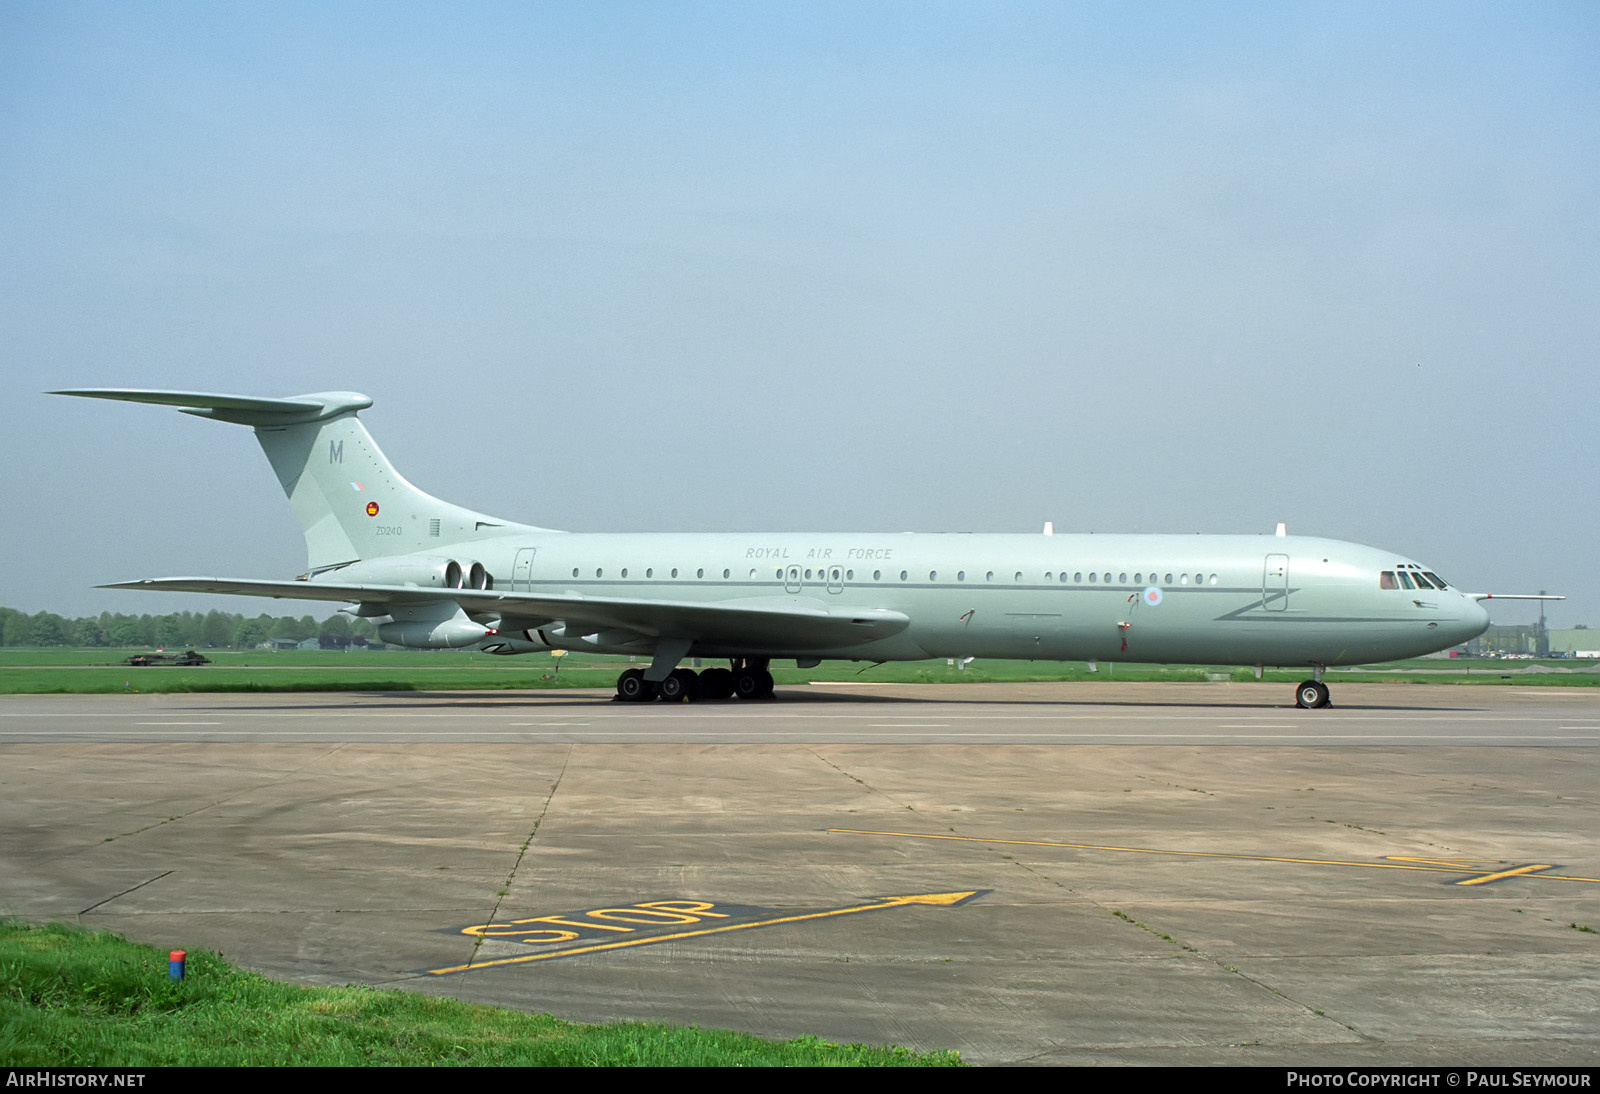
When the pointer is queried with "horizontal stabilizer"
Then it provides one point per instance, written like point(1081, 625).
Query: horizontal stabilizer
point(241, 409)
point(336, 478)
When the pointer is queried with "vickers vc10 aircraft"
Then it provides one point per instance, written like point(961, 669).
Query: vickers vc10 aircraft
point(433, 575)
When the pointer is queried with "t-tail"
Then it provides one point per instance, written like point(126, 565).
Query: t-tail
point(351, 502)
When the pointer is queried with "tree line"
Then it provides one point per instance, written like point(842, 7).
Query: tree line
point(187, 630)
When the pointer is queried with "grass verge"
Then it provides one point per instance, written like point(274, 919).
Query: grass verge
point(85, 671)
point(76, 998)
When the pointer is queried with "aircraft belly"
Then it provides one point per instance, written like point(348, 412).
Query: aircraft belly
point(1243, 643)
point(1209, 627)
point(1289, 641)
point(1012, 628)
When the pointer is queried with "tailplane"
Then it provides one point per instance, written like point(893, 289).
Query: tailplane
point(351, 502)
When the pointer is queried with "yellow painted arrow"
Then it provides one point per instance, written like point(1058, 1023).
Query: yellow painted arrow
point(944, 900)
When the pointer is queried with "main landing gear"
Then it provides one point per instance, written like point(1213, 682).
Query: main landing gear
point(747, 679)
point(1313, 693)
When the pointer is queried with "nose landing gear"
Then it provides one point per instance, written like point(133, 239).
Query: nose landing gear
point(1313, 693)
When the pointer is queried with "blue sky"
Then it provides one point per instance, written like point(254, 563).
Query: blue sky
point(943, 267)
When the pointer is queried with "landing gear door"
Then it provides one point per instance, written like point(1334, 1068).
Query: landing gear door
point(522, 570)
point(1275, 583)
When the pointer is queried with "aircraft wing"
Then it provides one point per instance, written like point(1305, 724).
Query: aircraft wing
point(780, 622)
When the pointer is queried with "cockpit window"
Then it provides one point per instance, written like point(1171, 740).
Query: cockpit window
point(1411, 576)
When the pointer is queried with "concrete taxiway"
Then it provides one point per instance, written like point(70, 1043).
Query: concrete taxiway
point(1074, 873)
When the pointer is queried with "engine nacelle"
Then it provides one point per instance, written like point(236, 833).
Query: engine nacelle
point(422, 571)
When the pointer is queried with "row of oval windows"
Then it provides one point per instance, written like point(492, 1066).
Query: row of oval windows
point(933, 575)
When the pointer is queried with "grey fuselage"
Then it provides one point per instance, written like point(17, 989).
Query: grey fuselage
point(1214, 599)
point(443, 575)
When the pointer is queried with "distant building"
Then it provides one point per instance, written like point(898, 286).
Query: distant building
point(1577, 642)
point(1525, 639)
point(1509, 638)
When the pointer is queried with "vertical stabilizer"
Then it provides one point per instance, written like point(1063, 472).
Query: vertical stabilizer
point(351, 502)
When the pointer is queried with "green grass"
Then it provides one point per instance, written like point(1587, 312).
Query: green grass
point(86, 671)
point(74, 998)
point(90, 671)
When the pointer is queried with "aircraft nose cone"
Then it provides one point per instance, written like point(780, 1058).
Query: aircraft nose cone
point(1473, 619)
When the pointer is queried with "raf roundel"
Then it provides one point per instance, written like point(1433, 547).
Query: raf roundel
point(372, 508)
point(1152, 595)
